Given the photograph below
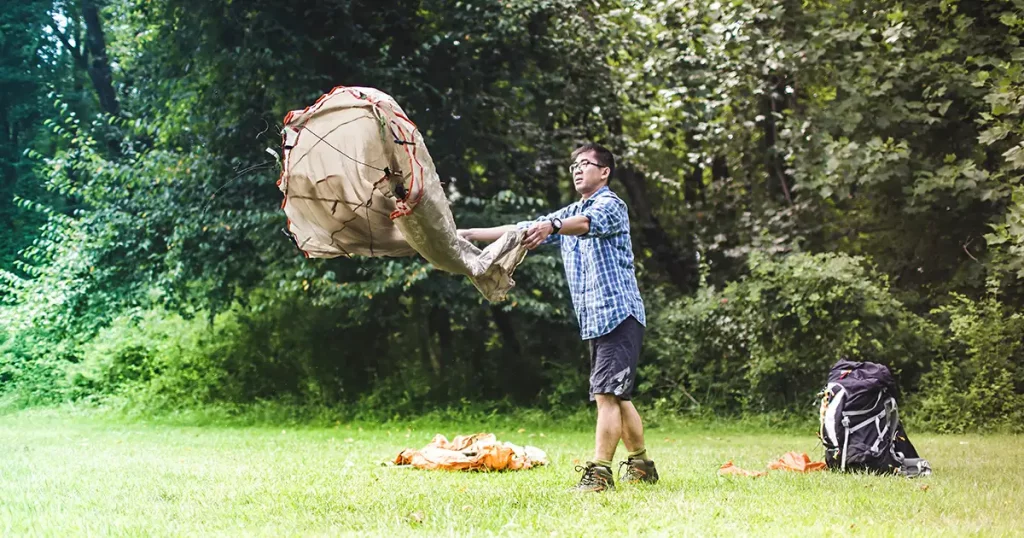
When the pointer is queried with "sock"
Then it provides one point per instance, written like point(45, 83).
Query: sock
point(640, 454)
point(603, 463)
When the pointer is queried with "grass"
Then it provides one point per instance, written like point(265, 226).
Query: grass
point(81, 475)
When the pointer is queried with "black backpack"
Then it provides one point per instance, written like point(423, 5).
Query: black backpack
point(860, 423)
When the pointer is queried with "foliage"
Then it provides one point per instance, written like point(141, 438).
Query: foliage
point(981, 384)
point(767, 342)
point(26, 70)
point(902, 149)
point(144, 254)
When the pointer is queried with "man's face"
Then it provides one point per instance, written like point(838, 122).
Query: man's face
point(587, 175)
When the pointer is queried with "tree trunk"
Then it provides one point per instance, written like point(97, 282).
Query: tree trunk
point(519, 374)
point(693, 183)
point(8, 173)
point(428, 356)
point(440, 324)
point(99, 64)
point(680, 266)
point(508, 333)
point(773, 103)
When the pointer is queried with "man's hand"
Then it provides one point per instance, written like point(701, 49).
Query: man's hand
point(467, 234)
point(537, 233)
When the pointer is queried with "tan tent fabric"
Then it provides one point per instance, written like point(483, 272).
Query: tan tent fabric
point(358, 180)
point(478, 452)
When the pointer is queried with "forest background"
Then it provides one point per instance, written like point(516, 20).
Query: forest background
point(806, 180)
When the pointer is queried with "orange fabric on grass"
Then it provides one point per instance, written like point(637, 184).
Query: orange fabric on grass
point(796, 461)
point(730, 469)
point(790, 461)
point(477, 452)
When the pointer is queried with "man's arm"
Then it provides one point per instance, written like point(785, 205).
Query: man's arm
point(493, 234)
point(486, 234)
point(578, 225)
point(605, 217)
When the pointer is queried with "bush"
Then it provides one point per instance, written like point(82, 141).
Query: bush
point(155, 356)
point(766, 343)
point(284, 349)
point(288, 352)
point(387, 349)
point(31, 367)
point(980, 385)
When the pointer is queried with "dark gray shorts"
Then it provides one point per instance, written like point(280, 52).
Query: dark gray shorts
point(613, 359)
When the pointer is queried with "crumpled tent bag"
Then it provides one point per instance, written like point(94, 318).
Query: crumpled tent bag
point(477, 452)
point(358, 180)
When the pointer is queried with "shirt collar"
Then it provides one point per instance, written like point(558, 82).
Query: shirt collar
point(600, 192)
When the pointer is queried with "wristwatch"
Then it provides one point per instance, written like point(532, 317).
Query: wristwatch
point(556, 224)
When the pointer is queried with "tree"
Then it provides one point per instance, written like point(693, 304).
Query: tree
point(28, 67)
point(89, 51)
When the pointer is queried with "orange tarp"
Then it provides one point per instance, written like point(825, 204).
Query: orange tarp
point(729, 468)
point(790, 461)
point(796, 461)
point(478, 452)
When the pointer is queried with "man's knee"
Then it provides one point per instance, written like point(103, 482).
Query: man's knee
point(607, 400)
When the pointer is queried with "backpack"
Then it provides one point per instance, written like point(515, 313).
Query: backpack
point(860, 423)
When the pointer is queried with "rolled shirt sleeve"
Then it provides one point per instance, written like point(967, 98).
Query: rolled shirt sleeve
point(553, 239)
point(608, 216)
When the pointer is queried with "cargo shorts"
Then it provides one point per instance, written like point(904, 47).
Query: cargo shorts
point(613, 360)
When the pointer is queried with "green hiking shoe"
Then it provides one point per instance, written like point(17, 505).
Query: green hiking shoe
point(638, 471)
point(595, 478)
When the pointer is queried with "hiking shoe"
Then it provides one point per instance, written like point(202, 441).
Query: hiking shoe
point(638, 470)
point(595, 478)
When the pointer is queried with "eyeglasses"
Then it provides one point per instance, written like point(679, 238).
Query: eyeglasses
point(578, 165)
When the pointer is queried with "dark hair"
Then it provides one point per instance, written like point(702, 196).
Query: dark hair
point(604, 157)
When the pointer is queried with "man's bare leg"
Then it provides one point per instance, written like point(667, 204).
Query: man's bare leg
point(609, 428)
point(632, 427)
point(640, 467)
point(597, 475)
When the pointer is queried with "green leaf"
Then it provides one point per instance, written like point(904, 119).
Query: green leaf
point(993, 135)
point(1015, 156)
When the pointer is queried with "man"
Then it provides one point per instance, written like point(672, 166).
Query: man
point(598, 256)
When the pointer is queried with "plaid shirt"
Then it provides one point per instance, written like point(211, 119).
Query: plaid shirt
point(599, 265)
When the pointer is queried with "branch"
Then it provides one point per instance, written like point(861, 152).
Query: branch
point(688, 395)
point(67, 44)
point(775, 158)
point(965, 245)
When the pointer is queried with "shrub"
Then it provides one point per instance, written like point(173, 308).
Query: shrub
point(980, 384)
point(766, 342)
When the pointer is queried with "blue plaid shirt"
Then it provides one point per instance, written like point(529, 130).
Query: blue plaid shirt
point(599, 265)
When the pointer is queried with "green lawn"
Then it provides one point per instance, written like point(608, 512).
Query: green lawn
point(72, 476)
